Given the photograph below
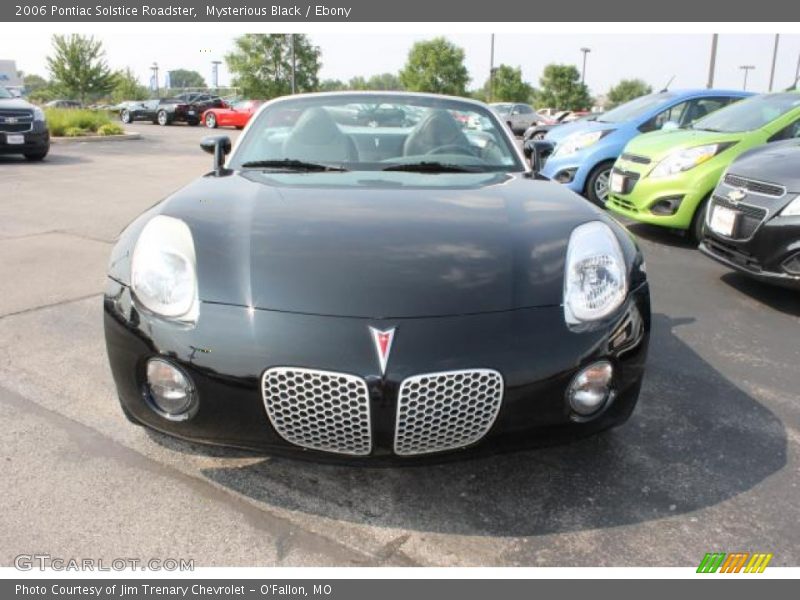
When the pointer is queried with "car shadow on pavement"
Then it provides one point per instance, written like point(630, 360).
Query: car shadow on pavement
point(782, 299)
point(52, 159)
point(660, 235)
point(695, 440)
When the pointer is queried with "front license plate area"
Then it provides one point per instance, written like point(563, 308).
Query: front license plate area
point(15, 139)
point(723, 221)
point(617, 183)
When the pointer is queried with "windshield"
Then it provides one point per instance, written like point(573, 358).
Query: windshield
point(374, 132)
point(4, 93)
point(635, 108)
point(503, 109)
point(749, 114)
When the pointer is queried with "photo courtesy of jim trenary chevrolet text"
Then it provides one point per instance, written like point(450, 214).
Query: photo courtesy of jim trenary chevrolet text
point(344, 299)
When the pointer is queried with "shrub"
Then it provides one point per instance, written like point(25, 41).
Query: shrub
point(110, 129)
point(74, 132)
point(62, 120)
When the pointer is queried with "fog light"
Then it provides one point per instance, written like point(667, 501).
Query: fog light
point(170, 390)
point(591, 388)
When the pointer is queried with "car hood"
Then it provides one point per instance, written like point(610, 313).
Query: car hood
point(777, 162)
point(380, 245)
point(566, 129)
point(658, 144)
point(15, 104)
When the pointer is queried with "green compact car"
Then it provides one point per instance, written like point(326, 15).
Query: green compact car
point(666, 177)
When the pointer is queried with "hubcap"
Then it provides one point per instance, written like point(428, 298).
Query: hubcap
point(162, 118)
point(210, 121)
point(601, 185)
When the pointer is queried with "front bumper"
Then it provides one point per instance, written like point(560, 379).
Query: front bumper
point(764, 255)
point(643, 196)
point(35, 142)
point(570, 171)
point(230, 348)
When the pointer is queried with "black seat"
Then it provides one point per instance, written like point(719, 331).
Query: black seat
point(436, 129)
point(316, 137)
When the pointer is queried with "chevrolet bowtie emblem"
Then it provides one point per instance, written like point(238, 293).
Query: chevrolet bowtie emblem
point(737, 195)
point(383, 345)
point(11, 120)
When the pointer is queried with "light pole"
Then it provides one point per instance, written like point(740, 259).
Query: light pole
point(796, 73)
point(215, 72)
point(713, 61)
point(491, 70)
point(583, 70)
point(774, 58)
point(746, 69)
point(294, 65)
point(154, 69)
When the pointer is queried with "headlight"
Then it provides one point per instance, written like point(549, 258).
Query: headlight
point(163, 269)
point(595, 278)
point(578, 141)
point(686, 159)
point(38, 114)
point(792, 209)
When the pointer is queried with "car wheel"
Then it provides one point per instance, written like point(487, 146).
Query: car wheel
point(36, 156)
point(125, 117)
point(162, 118)
point(696, 228)
point(597, 183)
point(211, 120)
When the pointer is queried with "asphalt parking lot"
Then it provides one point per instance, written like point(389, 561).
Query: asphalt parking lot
point(710, 461)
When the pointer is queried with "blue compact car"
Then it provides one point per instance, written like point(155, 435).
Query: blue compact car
point(584, 151)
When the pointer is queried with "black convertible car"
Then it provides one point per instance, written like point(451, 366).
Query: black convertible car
point(385, 291)
point(753, 219)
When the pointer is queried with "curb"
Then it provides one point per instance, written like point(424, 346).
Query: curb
point(96, 138)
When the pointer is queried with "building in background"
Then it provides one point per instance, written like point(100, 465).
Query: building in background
point(9, 77)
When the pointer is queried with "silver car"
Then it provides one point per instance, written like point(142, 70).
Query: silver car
point(517, 116)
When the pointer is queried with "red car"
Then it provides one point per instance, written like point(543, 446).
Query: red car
point(237, 115)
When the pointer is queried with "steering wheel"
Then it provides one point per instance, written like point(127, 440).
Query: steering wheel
point(451, 149)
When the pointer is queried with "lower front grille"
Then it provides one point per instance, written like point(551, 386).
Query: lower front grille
point(444, 411)
point(749, 219)
point(320, 410)
point(622, 203)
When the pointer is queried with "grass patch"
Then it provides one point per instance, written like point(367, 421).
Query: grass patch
point(71, 122)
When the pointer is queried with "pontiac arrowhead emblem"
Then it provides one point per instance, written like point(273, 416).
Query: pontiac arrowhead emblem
point(737, 195)
point(383, 345)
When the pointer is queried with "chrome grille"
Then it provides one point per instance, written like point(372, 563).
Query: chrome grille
point(443, 411)
point(321, 410)
point(15, 121)
point(635, 158)
point(756, 187)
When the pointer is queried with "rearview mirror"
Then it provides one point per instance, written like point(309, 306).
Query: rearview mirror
point(220, 147)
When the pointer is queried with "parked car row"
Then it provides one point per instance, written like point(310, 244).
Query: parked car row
point(187, 108)
point(719, 165)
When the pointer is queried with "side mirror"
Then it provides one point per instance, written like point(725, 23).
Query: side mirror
point(537, 151)
point(670, 126)
point(220, 147)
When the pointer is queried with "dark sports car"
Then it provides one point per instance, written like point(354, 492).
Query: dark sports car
point(164, 111)
point(383, 291)
point(753, 218)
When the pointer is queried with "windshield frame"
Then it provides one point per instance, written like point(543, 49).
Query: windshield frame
point(418, 99)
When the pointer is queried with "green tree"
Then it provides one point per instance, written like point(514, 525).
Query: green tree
point(508, 86)
point(357, 83)
point(127, 87)
point(261, 64)
point(627, 90)
point(183, 78)
point(34, 83)
point(78, 67)
point(435, 66)
point(332, 85)
point(384, 81)
point(560, 87)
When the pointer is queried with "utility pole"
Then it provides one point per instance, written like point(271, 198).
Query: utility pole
point(746, 69)
point(294, 66)
point(774, 58)
point(491, 70)
point(797, 72)
point(712, 63)
point(154, 69)
point(215, 72)
point(583, 70)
